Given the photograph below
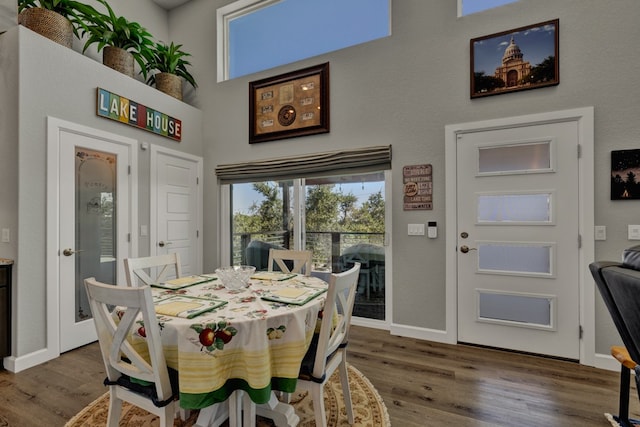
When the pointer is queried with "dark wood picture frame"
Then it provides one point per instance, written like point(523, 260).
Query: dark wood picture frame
point(289, 105)
point(519, 59)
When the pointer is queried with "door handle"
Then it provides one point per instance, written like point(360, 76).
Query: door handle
point(162, 243)
point(69, 251)
point(464, 249)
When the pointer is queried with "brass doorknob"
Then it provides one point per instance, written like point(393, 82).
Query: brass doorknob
point(69, 252)
point(464, 249)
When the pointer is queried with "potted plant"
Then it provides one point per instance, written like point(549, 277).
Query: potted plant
point(121, 41)
point(58, 20)
point(170, 66)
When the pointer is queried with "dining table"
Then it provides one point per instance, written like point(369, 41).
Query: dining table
point(236, 341)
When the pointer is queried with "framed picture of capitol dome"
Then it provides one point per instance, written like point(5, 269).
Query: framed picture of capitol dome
point(520, 59)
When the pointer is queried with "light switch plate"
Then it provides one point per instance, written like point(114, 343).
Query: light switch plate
point(6, 235)
point(415, 229)
point(600, 232)
point(634, 232)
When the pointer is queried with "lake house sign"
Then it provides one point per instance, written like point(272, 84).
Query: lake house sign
point(121, 109)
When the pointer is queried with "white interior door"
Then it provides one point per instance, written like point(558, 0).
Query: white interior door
point(518, 239)
point(177, 200)
point(93, 226)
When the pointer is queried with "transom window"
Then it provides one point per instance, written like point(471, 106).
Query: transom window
point(255, 35)
point(467, 7)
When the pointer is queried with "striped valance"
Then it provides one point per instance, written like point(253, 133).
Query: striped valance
point(357, 160)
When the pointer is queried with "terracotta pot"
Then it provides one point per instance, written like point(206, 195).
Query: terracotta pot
point(49, 24)
point(169, 84)
point(118, 59)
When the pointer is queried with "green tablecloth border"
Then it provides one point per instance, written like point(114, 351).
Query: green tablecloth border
point(202, 400)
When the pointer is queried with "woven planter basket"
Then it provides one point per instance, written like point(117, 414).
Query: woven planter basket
point(49, 24)
point(169, 84)
point(118, 59)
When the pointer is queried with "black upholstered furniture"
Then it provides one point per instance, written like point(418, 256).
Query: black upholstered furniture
point(619, 285)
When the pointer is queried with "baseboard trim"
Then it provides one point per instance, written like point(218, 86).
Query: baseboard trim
point(606, 361)
point(435, 335)
point(20, 363)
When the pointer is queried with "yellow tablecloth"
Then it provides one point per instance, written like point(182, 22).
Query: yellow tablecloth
point(250, 343)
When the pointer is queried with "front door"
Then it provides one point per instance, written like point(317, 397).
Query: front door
point(176, 222)
point(518, 238)
point(93, 226)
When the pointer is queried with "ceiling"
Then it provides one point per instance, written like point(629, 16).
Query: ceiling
point(169, 4)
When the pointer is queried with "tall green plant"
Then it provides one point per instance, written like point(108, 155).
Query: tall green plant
point(112, 30)
point(165, 58)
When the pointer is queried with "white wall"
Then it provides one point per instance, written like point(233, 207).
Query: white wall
point(404, 89)
point(66, 89)
point(8, 14)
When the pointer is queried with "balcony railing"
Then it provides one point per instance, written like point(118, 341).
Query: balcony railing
point(327, 247)
point(334, 252)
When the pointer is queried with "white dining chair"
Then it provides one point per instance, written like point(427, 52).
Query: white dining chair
point(327, 351)
point(299, 261)
point(152, 269)
point(126, 367)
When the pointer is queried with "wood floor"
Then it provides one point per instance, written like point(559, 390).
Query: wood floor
point(422, 383)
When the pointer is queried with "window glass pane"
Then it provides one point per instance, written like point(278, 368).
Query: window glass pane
point(515, 308)
point(510, 258)
point(515, 158)
point(510, 208)
point(344, 218)
point(473, 6)
point(345, 224)
point(261, 220)
point(292, 30)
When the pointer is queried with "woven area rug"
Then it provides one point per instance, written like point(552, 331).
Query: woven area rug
point(368, 407)
point(613, 419)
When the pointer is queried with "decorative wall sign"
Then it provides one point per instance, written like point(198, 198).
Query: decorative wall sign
point(121, 109)
point(625, 175)
point(289, 105)
point(514, 60)
point(418, 187)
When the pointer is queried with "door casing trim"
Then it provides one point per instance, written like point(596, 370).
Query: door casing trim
point(584, 117)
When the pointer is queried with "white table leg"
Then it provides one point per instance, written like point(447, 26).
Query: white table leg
point(249, 411)
point(215, 415)
point(281, 413)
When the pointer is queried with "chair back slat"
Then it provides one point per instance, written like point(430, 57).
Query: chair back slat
point(300, 261)
point(141, 358)
point(153, 269)
point(341, 296)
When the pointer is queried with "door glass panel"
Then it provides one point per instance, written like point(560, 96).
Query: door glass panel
point(525, 309)
point(514, 208)
point(95, 213)
point(515, 158)
point(518, 259)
